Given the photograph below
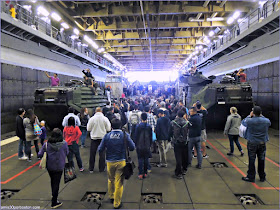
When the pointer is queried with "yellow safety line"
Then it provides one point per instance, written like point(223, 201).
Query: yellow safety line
point(9, 140)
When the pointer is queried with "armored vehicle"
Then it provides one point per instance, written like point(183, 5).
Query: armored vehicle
point(51, 104)
point(217, 98)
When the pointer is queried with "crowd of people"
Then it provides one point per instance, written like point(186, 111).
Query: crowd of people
point(149, 125)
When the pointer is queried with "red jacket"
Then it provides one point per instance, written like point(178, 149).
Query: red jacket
point(71, 134)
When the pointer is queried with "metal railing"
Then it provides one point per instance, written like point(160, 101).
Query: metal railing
point(251, 19)
point(38, 23)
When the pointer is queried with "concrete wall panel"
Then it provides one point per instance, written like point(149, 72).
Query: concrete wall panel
point(29, 88)
point(265, 100)
point(42, 77)
point(275, 102)
point(254, 84)
point(11, 104)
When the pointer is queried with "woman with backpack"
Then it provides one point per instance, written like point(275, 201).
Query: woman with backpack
point(56, 150)
point(143, 142)
point(84, 117)
point(28, 124)
point(71, 134)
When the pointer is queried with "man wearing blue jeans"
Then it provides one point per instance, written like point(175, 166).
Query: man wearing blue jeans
point(20, 132)
point(257, 136)
point(194, 126)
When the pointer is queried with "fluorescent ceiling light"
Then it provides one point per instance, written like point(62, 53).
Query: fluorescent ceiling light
point(196, 47)
point(236, 14)
point(215, 19)
point(65, 25)
point(211, 33)
point(200, 47)
point(27, 7)
point(34, 1)
point(261, 3)
point(240, 20)
point(230, 20)
point(43, 11)
point(76, 31)
point(74, 37)
point(56, 16)
point(205, 49)
point(101, 50)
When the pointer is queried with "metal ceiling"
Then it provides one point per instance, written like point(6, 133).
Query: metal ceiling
point(158, 36)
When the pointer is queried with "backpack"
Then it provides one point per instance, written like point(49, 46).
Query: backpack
point(144, 144)
point(134, 119)
point(180, 133)
point(37, 130)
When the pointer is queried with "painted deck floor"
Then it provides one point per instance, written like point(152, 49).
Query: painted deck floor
point(208, 188)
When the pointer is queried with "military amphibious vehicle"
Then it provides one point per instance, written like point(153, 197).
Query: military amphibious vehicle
point(217, 98)
point(51, 103)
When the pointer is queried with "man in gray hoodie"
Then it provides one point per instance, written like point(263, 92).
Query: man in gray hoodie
point(232, 130)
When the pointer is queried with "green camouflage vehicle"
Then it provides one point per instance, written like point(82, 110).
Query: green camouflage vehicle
point(51, 103)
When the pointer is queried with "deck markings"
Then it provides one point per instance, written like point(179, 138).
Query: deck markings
point(241, 172)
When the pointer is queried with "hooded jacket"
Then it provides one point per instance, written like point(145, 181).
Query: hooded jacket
point(162, 128)
point(56, 154)
point(232, 124)
point(71, 134)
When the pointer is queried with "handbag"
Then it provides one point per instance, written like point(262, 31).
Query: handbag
point(129, 164)
point(43, 162)
point(69, 173)
point(242, 130)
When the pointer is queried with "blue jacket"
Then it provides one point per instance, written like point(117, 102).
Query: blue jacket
point(114, 144)
point(44, 133)
point(195, 124)
point(163, 128)
point(257, 129)
point(56, 155)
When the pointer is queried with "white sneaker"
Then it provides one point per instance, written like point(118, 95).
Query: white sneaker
point(23, 158)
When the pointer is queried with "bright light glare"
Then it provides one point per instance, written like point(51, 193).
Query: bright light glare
point(27, 7)
point(200, 47)
point(76, 31)
point(74, 37)
point(56, 16)
point(261, 3)
point(101, 50)
point(43, 11)
point(211, 33)
point(147, 76)
point(65, 25)
point(215, 19)
point(230, 20)
point(236, 15)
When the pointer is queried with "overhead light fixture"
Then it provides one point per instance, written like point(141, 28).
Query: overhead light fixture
point(216, 19)
point(205, 49)
point(34, 1)
point(65, 25)
point(236, 14)
point(230, 20)
point(200, 47)
point(76, 31)
point(101, 50)
point(196, 47)
point(27, 7)
point(261, 3)
point(42, 11)
point(240, 20)
point(211, 33)
point(90, 42)
point(56, 16)
point(74, 37)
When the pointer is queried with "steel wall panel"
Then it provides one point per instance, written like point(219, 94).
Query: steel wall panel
point(275, 101)
point(11, 103)
point(265, 85)
point(266, 70)
point(275, 84)
point(42, 77)
point(29, 88)
point(252, 73)
point(28, 102)
point(29, 75)
point(276, 68)
point(254, 84)
point(10, 72)
point(265, 100)
point(12, 88)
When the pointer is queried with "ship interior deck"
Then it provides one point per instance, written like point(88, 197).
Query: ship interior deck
point(208, 188)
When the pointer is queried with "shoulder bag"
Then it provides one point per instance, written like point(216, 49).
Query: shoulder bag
point(43, 162)
point(129, 164)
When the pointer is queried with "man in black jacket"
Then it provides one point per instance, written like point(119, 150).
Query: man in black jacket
point(162, 134)
point(20, 132)
point(195, 135)
point(179, 135)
